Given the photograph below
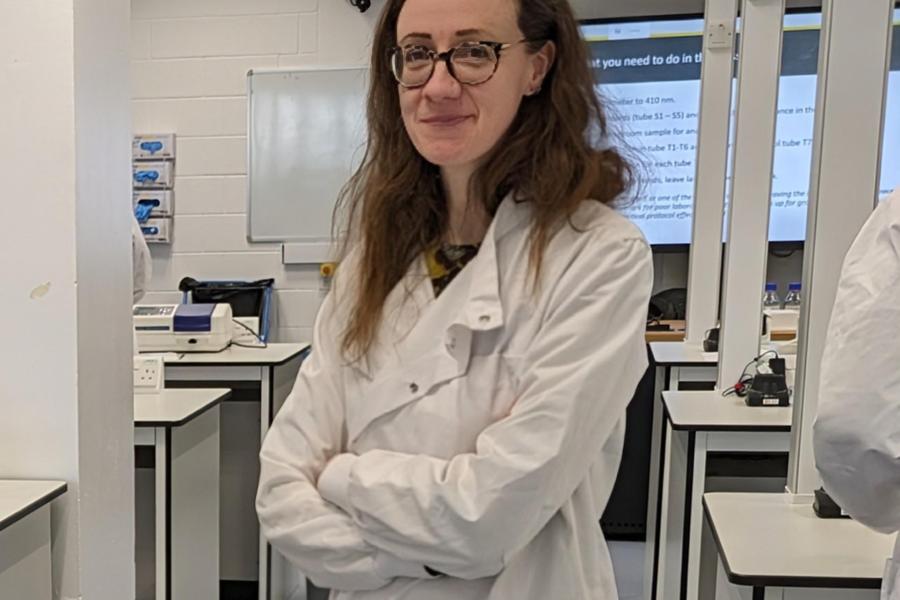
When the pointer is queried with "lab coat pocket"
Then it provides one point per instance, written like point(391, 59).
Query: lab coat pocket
point(890, 584)
point(397, 387)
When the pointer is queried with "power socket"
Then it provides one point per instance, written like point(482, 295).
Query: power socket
point(149, 374)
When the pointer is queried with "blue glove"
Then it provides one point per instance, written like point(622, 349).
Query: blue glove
point(142, 211)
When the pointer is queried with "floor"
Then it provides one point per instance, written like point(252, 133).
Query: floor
point(628, 564)
point(627, 557)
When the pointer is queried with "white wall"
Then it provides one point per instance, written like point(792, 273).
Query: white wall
point(65, 391)
point(616, 9)
point(189, 64)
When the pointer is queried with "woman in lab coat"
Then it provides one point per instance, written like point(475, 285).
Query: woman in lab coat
point(857, 429)
point(457, 430)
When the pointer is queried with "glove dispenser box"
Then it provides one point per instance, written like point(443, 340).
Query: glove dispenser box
point(152, 175)
point(162, 202)
point(153, 147)
point(157, 231)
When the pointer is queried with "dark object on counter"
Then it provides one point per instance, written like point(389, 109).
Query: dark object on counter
point(711, 340)
point(826, 507)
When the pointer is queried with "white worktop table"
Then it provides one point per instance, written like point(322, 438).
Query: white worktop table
point(271, 370)
point(182, 426)
point(675, 362)
point(767, 541)
point(696, 423)
point(175, 407)
point(272, 354)
point(25, 553)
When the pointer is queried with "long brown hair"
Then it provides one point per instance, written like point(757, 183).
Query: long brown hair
point(394, 205)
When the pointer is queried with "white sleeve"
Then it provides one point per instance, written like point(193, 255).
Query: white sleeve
point(857, 430)
point(315, 535)
point(142, 265)
point(466, 516)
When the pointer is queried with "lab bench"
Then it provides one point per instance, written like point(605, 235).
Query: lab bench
point(260, 380)
point(25, 553)
point(774, 546)
point(176, 438)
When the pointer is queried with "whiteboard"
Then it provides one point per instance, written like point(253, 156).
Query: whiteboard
point(306, 135)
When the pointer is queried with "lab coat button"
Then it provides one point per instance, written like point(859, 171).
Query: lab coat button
point(413, 387)
point(484, 319)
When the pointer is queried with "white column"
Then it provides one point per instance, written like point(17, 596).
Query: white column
point(65, 396)
point(748, 217)
point(712, 156)
point(854, 59)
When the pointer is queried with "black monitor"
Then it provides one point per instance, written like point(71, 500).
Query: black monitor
point(648, 76)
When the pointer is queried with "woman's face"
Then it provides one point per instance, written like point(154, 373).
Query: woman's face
point(456, 125)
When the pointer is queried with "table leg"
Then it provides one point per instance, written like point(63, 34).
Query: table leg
point(282, 581)
point(161, 491)
point(265, 554)
point(693, 527)
point(654, 486)
point(193, 510)
point(706, 587)
point(677, 481)
point(239, 475)
point(674, 378)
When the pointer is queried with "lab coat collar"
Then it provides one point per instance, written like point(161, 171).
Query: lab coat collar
point(482, 309)
point(475, 299)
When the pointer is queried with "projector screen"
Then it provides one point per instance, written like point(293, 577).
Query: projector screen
point(648, 76)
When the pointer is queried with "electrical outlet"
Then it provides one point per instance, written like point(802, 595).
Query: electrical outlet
point(148, 374)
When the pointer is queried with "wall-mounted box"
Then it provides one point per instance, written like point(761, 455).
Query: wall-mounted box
point(162, 202)
point(153, 146)
point(157, 175)
point(157, 231)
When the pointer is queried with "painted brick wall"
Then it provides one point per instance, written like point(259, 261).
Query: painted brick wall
point(190, 59)
point(189, 64)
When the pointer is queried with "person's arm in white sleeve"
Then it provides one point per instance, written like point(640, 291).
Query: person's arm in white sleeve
point(141, 262)
point(315, 535)
point(857, 430)
point(466, 516)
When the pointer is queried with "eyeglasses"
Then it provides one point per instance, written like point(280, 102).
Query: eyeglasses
point(470, 63)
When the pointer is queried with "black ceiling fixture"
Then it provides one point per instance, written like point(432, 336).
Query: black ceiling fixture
point(362, 5)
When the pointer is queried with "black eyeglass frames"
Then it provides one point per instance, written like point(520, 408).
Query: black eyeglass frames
point(470, 63)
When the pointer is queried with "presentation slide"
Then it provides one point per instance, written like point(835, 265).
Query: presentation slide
point(648, 76)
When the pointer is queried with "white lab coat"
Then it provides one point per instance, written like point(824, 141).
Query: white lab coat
point(141, 270)
point(857, 430)
point(142, 266)
point(482, 436)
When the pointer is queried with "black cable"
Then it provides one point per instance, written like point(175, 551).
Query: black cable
point(746, 378)
point(764, 354)
point(264, 344)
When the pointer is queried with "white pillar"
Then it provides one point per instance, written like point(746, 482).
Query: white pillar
point(854, 58)
point(712, 162)
point(65, 390)
point(762, 22)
